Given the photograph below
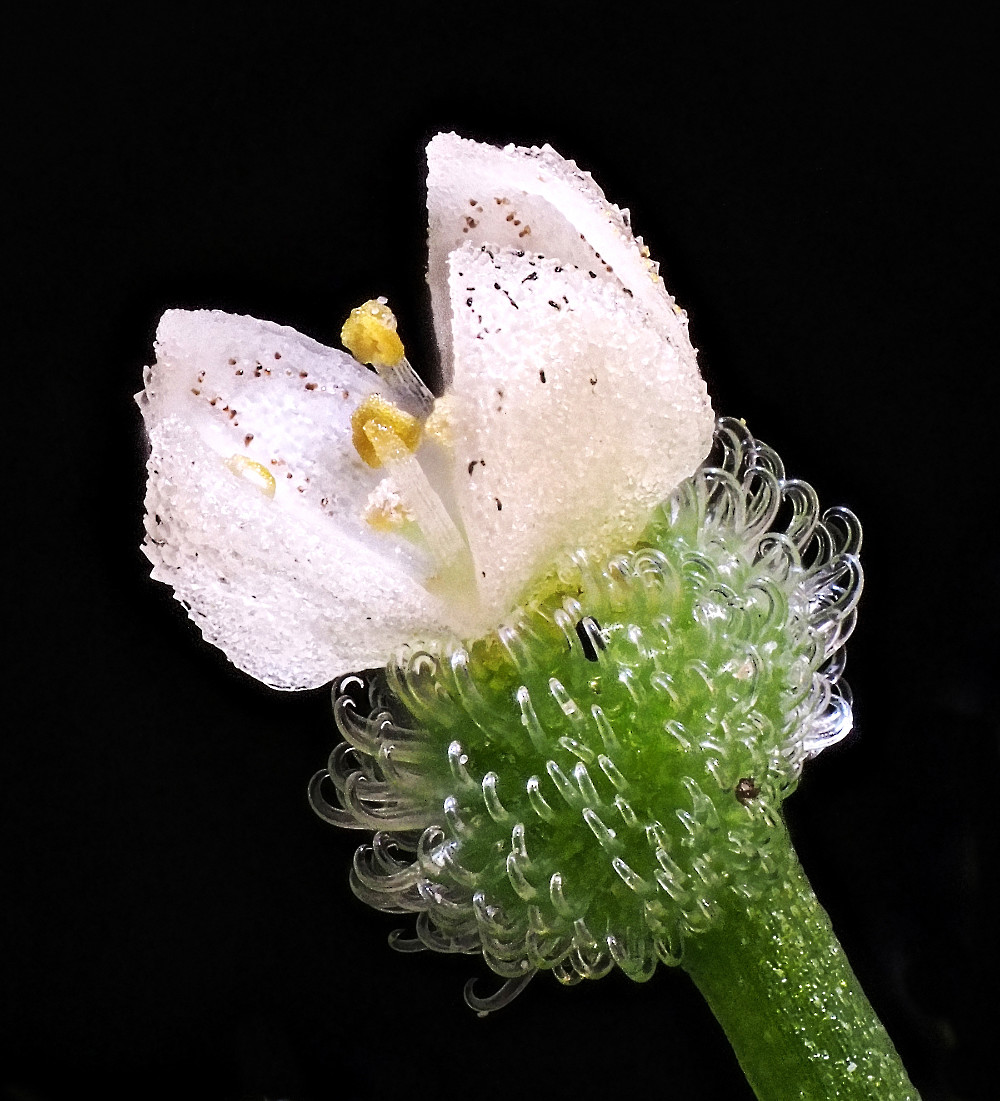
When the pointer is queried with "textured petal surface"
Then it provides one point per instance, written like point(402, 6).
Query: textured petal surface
point(280, 572)
point(573, 417)
point(578, 405)
point(535, 200)
point(574, 407)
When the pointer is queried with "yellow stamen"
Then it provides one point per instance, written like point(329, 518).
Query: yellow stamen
point(386, 436)
point(378, 419)
point(369, 334)
point(255, 473)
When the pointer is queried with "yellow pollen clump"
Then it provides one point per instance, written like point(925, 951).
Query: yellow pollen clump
point(253, 472)
point(438, 425)
point(369, 334)
point(385, 510)
point(381, 431)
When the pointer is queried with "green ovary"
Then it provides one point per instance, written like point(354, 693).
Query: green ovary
point(599, 783)
point(594, 783)
point(626, 797)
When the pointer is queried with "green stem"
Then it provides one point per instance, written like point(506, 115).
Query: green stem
point(778, 982)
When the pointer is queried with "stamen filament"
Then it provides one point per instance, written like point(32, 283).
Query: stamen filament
point(437, 527)
point(405, 383)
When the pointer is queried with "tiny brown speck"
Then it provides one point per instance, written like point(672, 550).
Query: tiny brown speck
point(524, 232)
point(746, 790)
point(499, 504)
point(289, 475)
point(232, 363)
point(310, 385)
point(277, 355)
point(303, 374)
point(247, 438)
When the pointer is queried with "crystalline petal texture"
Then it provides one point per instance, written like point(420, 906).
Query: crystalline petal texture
point(534, 200)
point(573, 407)
point(254, 501)
point(578, 402)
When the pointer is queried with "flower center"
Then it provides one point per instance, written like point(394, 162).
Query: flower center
point(388, 437)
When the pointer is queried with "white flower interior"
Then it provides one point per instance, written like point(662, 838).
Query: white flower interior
point(574, 405)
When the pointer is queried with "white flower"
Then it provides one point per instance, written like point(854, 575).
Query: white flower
point(572, 405)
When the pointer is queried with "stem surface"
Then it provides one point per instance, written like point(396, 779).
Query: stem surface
point(779, 983)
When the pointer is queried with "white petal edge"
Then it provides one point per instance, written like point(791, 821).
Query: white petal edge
point(293, 588)
point(536, 200)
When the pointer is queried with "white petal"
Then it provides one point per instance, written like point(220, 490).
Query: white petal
point(535, 200)
point(572, 415)
point(293, 587)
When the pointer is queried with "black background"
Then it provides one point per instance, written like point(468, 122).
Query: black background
point(175, 922)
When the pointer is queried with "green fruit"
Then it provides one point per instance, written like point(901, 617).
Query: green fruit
point(597, 782)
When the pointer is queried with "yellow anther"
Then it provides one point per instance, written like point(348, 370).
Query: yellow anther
point(369, 334)
point(253, 472)
point(382, 432)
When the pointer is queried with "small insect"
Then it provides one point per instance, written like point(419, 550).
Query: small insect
point(746, 790)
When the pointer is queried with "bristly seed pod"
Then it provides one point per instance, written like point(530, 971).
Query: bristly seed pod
point(560, 795)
